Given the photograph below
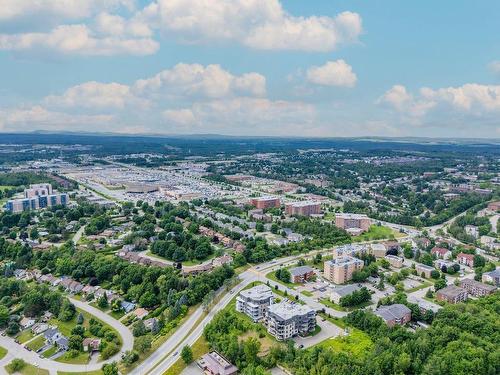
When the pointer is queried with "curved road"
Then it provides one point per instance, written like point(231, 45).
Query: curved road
point(17, 351)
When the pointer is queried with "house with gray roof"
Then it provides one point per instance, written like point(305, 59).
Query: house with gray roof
point(301, 274)
point(396, 314)
point(338, 293)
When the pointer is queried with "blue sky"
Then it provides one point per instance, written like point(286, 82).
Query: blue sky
point(259, 67)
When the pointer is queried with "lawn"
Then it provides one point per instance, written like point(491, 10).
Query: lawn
point(3, 352)
point(422, 286)
point(306, 293)
point(36, 343)
point(327, 302)
point(5, 187)
point(50, 352)
point(377, 232)
point(272, 276)
point(356, 343)
point(28, 370)
point(81, 359)
point(25, 336)
point(199, 348)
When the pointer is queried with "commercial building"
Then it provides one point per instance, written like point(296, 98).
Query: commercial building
point(287, 319)
point(343, 291)
point(301, 274)
point(255, 301)
point(394, 260)
point(476, 288)
point(303, 208)
point(492, 277)
point(424, 269)
point(37, 197)
point(340, 270)
point(396, 314)
point(452, 294)
point(353, 223)
point(215, 364)
point(265, 202)
point(138, 188)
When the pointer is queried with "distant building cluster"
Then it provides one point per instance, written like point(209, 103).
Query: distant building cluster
point(36, 197)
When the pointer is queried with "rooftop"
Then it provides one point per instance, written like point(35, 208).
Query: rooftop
point(259, 292)
point(451, 291)
point(346, 290)
point(287, 310)
point(297, 271)
point(390, 312)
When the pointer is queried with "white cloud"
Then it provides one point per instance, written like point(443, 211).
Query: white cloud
point(243, 115)
point(110, 24)
point(94, 95)
point(38, 117)
point(77, 39)
point(62, 9)
point(183, 116)
point(471, 98)
point(197, 80)
point(333, 73)
point(260, 24)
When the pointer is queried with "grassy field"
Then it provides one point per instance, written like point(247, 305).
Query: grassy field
point(3, 352)
point(271, 276)
point(5, 187)
point(49, 352)
point(28, 370)
point(328, 303)
point(81, 359)
point(24, 336)
point(422, 286)
point(199, 348)
point(36, 343)
point(356, 343)
point(377, 233)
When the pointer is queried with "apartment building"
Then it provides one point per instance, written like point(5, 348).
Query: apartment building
point(287, 319)
point(476, 288)
point(301, 274)
point(441, 253)
point(36, 190)
point(265, 202)
point(378, 250)
point(303, 208)
point(492, 277)
point(467, 259)
point(452, 294)
point(424, 269)
point(394, 260)
point(255, 302)
point(396, 314)
point(35, 202)
point(353, 223)
point(340, 270)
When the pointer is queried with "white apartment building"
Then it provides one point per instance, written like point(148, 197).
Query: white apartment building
point(255, 301)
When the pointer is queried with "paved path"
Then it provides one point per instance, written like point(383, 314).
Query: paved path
point(18, 351)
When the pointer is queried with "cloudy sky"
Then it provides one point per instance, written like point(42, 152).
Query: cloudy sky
point(252, 67)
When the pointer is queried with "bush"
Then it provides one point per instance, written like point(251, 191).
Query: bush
point(16, 365)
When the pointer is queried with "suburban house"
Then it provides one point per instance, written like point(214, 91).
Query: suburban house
point(141, 313)
point(466, 259)
point(396, 314)
point(152, 325)
point(301, 274)
point(476, 288)
point(54, 337)
point(441, 253)
point(91, 344)
point(39, 328)
point(452, 294)
point(215, 364)
point(127, 306)
point(26, 322)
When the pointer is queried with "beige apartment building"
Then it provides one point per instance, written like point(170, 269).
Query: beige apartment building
point(340, 270)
